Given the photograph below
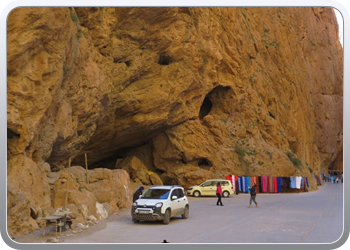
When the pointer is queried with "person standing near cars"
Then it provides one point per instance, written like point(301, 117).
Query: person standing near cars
point(218, 194)
point(252, 195)
point(137, 193)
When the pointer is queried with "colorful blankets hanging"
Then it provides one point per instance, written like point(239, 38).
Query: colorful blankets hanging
point(233, 182)
point(293, 182)
point(304, 184)
point(285, 181)
point(267, 184)
point(240, 184)
point(271, 186)
point(229, 177)
point(297, 182)
point(232, 179)
point(256, 181)
point(264, 183)
point(244, 185)
point(258, 184)
point(279, 184)
point(248, 184)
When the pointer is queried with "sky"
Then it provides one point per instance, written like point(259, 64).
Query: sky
point(340, 23)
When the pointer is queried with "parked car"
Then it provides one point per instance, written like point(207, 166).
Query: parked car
point(208, 188)
point(161, 203)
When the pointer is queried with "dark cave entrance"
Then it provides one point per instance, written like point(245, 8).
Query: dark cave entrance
point(217, 101)
point(165, 60)
point(11, 134)
point(12, 140)
point(205, 108)
point(202, 162)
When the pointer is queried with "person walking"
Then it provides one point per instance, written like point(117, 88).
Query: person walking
point(252, 195)
point(218, 194)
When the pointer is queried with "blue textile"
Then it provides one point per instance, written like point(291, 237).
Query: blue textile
point(240, 183)
point(248, 184)
point(278, 184)
point(244, 185)
point(293, 182)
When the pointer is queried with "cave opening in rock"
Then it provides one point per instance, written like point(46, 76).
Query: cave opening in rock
point(202, 162)
point(11, 134)
point(217, 102)
point(165, 60)
point(12, 140)
point(206, 107)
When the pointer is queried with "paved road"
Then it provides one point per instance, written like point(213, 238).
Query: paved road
point(313, 217)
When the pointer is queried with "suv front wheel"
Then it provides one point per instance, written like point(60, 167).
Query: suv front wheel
point(166, 218)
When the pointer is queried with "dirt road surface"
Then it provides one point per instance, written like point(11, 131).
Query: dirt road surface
point(309, 217)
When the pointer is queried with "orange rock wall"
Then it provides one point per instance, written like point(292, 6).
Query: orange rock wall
point(209, 91)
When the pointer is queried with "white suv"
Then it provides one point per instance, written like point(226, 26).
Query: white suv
point(160, 203)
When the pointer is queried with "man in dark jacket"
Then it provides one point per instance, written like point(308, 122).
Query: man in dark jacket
point(137, 194)
point(252, 195)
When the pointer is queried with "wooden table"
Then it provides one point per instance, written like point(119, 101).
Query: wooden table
point(57, 220)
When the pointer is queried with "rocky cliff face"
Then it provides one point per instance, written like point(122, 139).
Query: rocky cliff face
point(168, 95)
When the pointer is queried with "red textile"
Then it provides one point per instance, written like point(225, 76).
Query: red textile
point(257, 185)
point(268, 184)
point(275, 184)
point(229, 177)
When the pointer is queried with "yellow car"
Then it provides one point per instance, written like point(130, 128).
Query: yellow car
point(208, 188)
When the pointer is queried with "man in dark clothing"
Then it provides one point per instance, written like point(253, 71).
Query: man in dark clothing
point(252, 195)
point(137, 193)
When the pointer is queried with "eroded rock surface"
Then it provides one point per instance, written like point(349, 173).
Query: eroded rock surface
point(170, 95)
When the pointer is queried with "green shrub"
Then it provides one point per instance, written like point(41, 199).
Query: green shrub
point(240, 151)
point(295, 160)
point(74, 17)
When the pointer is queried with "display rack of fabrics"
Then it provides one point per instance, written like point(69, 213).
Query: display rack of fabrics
point(268, 184)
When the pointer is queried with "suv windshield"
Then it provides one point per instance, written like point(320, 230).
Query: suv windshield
point(156, 194)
